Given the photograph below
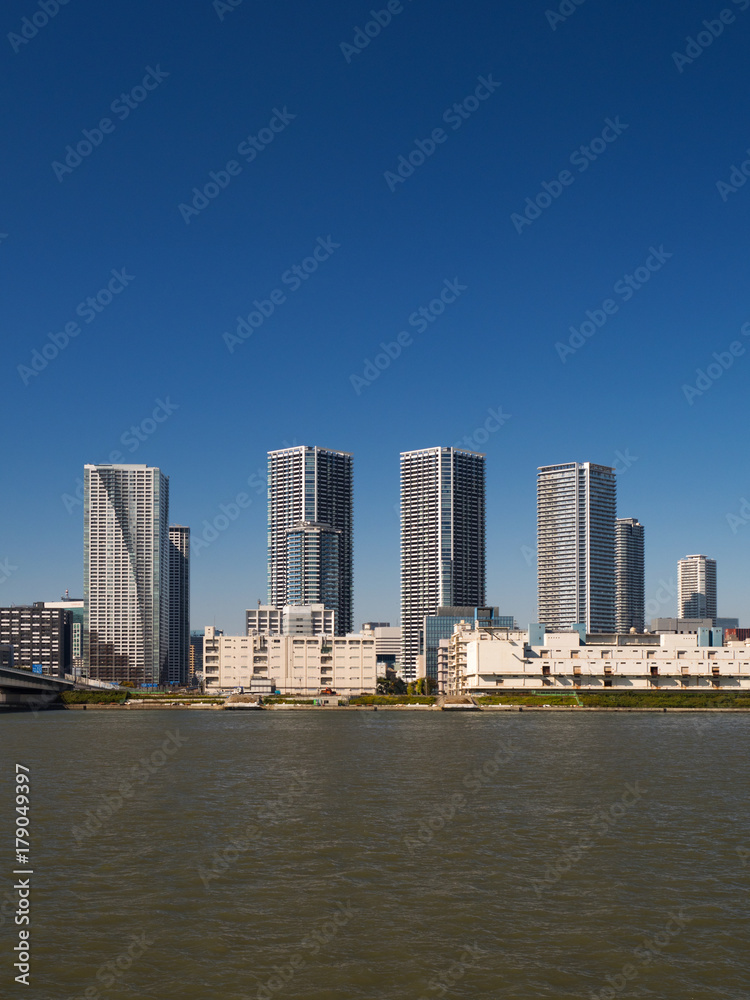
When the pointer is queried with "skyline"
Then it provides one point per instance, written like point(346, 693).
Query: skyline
point(666, 595)
point(636, 267)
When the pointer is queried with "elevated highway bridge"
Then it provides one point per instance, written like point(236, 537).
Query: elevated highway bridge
point(25, 689)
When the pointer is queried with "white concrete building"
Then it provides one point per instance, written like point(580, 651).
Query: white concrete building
point(696, 580)
point(297, 665)
point(482, 663)
point(308, 619)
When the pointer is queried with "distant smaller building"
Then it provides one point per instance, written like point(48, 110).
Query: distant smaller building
point(679, 626)
point(41, 637)
point(726, 623)
point(387, 646)
point(6, 655)
point(195, 653)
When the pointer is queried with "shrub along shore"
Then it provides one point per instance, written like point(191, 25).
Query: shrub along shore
point(635, 701)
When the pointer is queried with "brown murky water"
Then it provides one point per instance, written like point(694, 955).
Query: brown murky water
point(382, 855)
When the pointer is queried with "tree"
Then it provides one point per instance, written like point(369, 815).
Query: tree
point(391, 685)
point(423, 686)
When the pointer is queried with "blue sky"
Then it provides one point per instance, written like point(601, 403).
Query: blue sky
point(182, 87)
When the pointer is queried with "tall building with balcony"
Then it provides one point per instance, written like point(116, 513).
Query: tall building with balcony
point(178, 670)
point(576, 513)
point(696, 584)
point(310, 530)
point(442, 539)
point(313, 564)
point(126, 573)
point(629, 575)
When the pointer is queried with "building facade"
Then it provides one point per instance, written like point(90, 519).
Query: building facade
point(630, 590)
point(310, 619)
point(40, 637)
point(178, 669)
point(576, 513)
point(126, 573)
point(696, 583)
point(310, 529)
point(295, 665)
point(76, 608)
point(440, 626)
point(480, 662)
point(442, 539)
point(195, 653)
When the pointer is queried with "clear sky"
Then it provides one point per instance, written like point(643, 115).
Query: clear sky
point(317, 124)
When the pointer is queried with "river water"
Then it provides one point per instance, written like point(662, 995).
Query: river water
point(325, 855)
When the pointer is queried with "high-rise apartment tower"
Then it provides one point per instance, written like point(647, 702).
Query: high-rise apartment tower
point(696, 582)
point(126, 573)
point(178, 671)
point(310, 530)
point(576, 511)
point(442, 538)
point(629, 575)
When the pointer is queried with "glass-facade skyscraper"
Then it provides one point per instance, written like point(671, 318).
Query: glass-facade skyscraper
point(126, 573)
point(576, 512)
point(629, 575)
point(310, 530)
point(442, 538)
